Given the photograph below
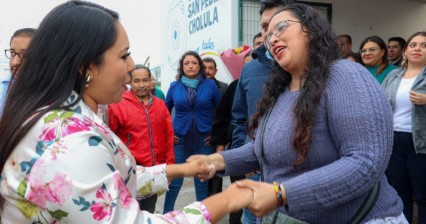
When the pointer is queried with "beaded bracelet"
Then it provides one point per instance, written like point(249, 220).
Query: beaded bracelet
point(279, 194)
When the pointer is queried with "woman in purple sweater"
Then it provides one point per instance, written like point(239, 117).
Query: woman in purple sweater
point(322, 132)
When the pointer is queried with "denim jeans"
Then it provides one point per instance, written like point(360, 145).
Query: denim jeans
point(248, 217)
point(181, 154)
point(407, 174)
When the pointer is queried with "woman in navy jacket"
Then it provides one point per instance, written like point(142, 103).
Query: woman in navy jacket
point(194, 98)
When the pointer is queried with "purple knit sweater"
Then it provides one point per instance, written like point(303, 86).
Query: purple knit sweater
point(350, 150)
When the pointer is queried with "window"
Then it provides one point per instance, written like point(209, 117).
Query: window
point(249, 18)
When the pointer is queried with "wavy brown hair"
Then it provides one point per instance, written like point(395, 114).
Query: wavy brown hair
point(322, 51)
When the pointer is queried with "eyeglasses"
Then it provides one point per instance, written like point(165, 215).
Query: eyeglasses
point(10, 54)
point(369, 50)
point(277, 31)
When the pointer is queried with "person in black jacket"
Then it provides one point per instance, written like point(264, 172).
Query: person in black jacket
point(221, 137)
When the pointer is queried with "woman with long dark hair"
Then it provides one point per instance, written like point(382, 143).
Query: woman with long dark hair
point(406, 91)
point(322, 133)
point(59, 162)
point(194, 99)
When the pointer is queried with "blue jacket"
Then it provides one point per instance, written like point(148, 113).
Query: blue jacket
point(206, 101)
point(249, 91)
point(4, 85)
point(391, 84)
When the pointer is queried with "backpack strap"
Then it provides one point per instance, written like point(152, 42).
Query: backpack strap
point(366, 205)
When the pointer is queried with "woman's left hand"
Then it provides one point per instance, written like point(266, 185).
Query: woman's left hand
point(175, 140)
point(207, 141)
point(418, 98)
point(265, 198)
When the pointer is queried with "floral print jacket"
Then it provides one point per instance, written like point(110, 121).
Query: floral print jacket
point(70, 168)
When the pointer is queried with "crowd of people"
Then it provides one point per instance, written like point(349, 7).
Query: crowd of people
point(333, 136)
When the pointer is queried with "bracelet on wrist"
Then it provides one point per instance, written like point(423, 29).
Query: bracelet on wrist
point(279, 194)
point(212, 170)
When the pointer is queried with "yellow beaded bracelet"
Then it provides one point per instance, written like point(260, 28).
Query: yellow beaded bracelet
point(279, 194)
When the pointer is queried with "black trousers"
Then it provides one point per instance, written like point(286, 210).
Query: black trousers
point(215, 185)
point(148, 204)
point(407, 174)
point(235, 217)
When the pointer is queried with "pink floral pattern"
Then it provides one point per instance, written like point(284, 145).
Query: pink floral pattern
point(103, 208)
point(55, 191)
point(60, 128)
point(58, 149)
point(125, 197)
point(70, 168)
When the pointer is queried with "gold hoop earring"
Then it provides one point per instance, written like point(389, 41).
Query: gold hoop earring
point(88, 78)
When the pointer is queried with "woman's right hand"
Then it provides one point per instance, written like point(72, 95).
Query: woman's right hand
point(175, 140)
point(203, 159)
point(265, 199)
point(215, 161)
point(238, 198)
point(232, 199)
point(418, 98)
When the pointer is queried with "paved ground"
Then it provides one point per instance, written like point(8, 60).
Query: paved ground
point(187, 196)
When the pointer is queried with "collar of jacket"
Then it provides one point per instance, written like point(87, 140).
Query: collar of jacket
point(259, 54)
point(128, 95)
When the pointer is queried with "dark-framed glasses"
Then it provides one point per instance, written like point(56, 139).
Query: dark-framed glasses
point(10, 54)
point(369, 50)
point(277, 31)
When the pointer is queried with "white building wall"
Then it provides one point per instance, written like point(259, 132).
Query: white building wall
point(208, 27)
point(360, 18)
point(385, 18)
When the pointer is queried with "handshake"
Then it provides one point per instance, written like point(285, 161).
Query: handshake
point(259, 197)
point(201, 166)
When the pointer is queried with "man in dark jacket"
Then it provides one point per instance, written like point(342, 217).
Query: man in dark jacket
point(396, 50)
point(250, 86)
point(211, 70)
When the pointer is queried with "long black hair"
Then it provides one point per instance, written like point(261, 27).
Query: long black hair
point(71, 37)
point(323, 51)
